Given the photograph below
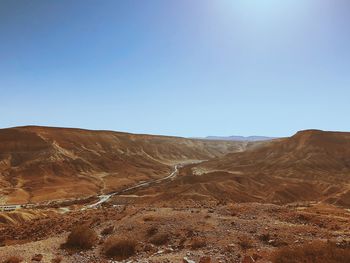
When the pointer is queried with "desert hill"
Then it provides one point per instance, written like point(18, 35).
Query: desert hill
point(312, 165)
point(42, 163)
point(312, 152)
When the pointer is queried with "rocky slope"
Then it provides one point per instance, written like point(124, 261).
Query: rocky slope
point(309, 166)
point(41, 163)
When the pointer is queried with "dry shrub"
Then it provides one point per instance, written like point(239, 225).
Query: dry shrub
point(13, 259)
point(278, 242)
point(245, 242)
point(81, 237)
point(149, 218)
point(107, 231)
point(303, 218)
point(265, 237)
point(159, 239)
point(119, 248)
point(152, 231)
point(190, 233)
point(37, 257)
point(56, 260)
point(316, 252)
point(197, 243)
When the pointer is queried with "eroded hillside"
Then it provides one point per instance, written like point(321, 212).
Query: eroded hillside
point(309, 166)
point(41, 163)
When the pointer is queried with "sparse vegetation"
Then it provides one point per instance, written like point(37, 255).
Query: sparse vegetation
point(107, 231)
point(13, 259)
point(159, 239)
point(278, 242)
point(152, 231)
point(37, 257)
point(56, 260)
point(316, 252)
point(265, 237)
point(149, 218)
point(245, 242)
point(119, 248)
point(82, 237)
point(197, 243)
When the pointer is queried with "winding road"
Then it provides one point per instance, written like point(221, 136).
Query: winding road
point(105, 198)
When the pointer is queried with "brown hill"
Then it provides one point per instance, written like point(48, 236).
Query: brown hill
point(41, 163)
point(308, 155)
point(312, 165)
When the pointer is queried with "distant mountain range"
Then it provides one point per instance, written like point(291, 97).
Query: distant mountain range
point(240, 138)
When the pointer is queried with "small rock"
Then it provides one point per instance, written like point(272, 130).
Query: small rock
point(271, 241)
point(169, 250)
point(186, 260)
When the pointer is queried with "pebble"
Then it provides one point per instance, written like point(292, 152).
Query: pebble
point(186, 260)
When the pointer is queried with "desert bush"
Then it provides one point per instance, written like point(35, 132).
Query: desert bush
point(37, 257)
point(81, 237)
point(56, 260)
point(13, 259)
point(245, 242)
point(159, 239)
point(278, 242)
point(149, 218)
point(190, 233)
point(316, 252)
point(304, 218)
point(119, 248)
point(152, 231)
point(207, 216)
point(197, 243)
point(107, 231)
point(265, 237)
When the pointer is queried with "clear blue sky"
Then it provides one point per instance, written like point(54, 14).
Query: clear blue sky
point(177, 67)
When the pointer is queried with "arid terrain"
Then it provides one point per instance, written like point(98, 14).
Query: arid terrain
point(40, 163)
point(144, 198)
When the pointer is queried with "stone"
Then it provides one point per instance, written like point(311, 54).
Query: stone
point(186, 260)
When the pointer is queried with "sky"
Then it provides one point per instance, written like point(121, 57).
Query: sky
point(176, 67)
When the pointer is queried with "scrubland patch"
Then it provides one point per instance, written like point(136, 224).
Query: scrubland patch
point(13, 259)
point(315, 252)
point(107, 230)
point(160, 239)
point(198, 242)
point(81, 237)
point(245, 242)
point(119, 248)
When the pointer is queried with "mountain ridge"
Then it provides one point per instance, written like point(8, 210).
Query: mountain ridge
point(311, 165)
point(41, 163)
